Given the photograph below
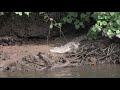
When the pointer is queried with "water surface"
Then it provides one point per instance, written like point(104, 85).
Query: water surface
point(99, 71)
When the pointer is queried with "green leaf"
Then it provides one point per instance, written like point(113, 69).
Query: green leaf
point(76, 22)
point(88, 13)
point(69, 20)
point(118, 31)
point(99, 28)
point(110, 33)
point(104, 22)
point(77, 26)
point(82, 24)
point(94, 29)
point(65, 19)
point(73, 14)
point(94, 16)
point(112, 13)
point(118, 22)
point(103, 13)
point(82, 15)
point(118, 35)
point(99, 17)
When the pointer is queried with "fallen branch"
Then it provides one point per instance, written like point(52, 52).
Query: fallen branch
point(108, 55)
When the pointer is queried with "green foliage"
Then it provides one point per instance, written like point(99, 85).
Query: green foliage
point(108, 23)
point(78, 20)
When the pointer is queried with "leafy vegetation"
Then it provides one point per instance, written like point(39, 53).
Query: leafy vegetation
point(78, 20)
point(106, 23)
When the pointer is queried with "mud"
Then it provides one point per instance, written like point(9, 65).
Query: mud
point(15, 55)
point(37, 57)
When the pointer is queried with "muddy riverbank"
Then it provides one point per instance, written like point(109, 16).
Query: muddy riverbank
point(24, 46)
point(29, 57)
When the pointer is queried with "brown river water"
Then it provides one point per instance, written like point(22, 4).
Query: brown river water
point(99, 71)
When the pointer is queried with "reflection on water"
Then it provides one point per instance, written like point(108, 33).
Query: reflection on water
point(99, 71)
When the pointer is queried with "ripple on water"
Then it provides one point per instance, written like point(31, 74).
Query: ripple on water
point(99, 71)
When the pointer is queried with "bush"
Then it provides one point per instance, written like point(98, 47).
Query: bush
point(107, 23)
